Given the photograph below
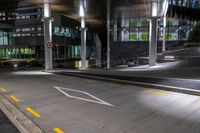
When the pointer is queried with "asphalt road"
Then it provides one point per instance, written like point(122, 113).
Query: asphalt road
point(5, 125)
point(79, 105)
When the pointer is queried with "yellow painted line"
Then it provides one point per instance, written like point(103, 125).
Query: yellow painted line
point(58, 130)
point(198, 100)
point(33, 112)
point(3, 90)
point(14, 98)
point(157, 92)
point(91, 81)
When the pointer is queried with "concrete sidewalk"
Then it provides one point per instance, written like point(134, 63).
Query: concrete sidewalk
point(177, 69)
point(186, 80)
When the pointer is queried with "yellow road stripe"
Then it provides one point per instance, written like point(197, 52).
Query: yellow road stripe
point(33, 112)
point(58, 130)
point(157, 92)
point(3, 90)
point(91, 81)
point(198, 100)
point(14, 98)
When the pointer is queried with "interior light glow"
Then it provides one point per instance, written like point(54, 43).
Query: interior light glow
point(154, 9)
point(164, 22)
point(37, 72)
point(169, 57)
point(81, 11)
point(15, 65)
point(46, 10)
point(165, 7)
point(82, 23)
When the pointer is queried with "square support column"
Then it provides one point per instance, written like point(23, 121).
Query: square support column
point(108, 34)
point(115, 31)
point(164, 33)
point(83, 44)
point(153, 31)
point(153, 34)
point(48, 37)
point(98, 51)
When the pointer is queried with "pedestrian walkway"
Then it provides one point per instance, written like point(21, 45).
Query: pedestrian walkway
point(185, 79)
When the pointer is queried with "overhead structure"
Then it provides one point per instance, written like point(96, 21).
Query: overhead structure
point(95, 16)
point(184, 9)
point(96, 13)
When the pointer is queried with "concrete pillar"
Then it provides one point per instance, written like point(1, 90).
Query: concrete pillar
point(98, 51)
point(153, 41)
point(115, 31)
point(48, 36)
point(83, 44)
point(123, 30)
point(108, 33)
point(82, 11)
point(153, 34)
point(164, 33)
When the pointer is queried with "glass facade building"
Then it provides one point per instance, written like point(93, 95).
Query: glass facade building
point(21, 36)
point(137, 29)
point(130, 37)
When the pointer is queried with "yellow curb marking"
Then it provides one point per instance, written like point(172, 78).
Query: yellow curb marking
point(33, 112)
point(91, 81)
point(58, 130)
point(3, 90)
point(162, 93)
point(14, 98)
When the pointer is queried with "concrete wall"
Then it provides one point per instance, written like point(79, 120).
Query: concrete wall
point(124, 50)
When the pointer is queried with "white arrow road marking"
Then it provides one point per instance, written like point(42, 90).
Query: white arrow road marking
point(97, 100)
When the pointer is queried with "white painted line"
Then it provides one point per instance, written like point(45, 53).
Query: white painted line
point(97, 100)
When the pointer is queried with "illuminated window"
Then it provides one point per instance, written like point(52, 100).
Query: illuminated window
point(23, 17)
point(39, 28)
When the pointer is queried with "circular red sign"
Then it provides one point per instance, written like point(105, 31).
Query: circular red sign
point(49, 44)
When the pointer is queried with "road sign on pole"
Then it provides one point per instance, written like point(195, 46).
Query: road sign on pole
point(49, 44)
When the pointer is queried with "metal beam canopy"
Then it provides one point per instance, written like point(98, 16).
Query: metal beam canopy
point(96, 16)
